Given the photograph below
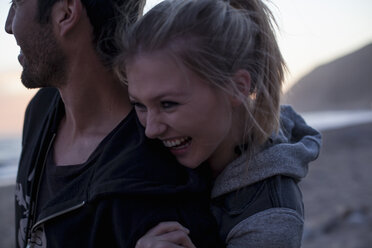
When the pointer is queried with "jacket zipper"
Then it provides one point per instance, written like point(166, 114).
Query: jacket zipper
point(34, 205)
point(51, 217)
point(62, 212)
point(33, 227)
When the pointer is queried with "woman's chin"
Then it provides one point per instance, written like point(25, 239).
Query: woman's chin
point(188, 164)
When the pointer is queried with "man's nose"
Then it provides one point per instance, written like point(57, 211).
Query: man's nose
point(154, 126)
point(9, 20)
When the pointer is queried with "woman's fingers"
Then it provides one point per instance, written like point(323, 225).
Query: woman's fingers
point(178, 237)
point(167, 226)
point(166, 235)
point(174, 239)
point(149, 243)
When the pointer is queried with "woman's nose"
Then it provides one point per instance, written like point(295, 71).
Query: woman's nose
point(154, 126)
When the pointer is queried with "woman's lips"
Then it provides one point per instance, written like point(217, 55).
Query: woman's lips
point(176, 142)
point(178, 146)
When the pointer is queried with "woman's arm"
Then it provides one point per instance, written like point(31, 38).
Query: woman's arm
point(274, 227)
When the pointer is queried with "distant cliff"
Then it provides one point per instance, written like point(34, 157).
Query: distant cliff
point(343, 84)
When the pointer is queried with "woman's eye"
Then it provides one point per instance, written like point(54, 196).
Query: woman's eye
point(138, 106)
point(168, 104)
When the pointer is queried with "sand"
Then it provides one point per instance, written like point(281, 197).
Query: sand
point(7, 232)
point(337, 193)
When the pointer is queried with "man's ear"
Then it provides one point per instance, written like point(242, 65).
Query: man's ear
point(66, 14)
point(242, 79)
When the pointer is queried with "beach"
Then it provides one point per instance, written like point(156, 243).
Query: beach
point(337, 193)
point(7, 232)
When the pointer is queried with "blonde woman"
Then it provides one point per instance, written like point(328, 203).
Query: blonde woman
point(205, 78)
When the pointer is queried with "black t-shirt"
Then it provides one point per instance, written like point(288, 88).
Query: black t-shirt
point(56, 177)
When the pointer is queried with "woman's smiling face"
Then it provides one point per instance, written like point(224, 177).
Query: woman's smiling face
point(192, 118)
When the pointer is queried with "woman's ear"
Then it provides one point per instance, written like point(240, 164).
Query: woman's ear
point(242, 80)
point(66, 14)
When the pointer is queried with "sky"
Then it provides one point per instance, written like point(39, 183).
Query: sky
point(311, 33)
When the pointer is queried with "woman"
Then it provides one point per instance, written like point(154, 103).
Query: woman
point(205, 78)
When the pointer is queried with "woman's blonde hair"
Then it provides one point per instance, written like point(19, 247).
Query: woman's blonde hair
point(215, 39)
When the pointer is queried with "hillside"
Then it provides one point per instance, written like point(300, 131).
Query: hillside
point(343, 84)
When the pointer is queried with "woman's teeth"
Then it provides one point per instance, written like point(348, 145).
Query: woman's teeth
point(176, 142)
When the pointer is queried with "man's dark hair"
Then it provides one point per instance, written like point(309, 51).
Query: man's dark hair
point(106, 16)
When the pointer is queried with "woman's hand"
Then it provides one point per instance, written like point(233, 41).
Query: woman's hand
point(166, 235)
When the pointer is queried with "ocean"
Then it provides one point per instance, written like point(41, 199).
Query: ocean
point(10, 149)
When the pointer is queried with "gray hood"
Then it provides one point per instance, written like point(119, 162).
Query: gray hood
point(286, 153)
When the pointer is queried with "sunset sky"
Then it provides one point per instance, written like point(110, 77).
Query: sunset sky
point(312, 32)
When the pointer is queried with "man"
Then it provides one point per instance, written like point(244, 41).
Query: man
point(87, 176)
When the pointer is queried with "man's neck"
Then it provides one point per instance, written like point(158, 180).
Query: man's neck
point(95, 104)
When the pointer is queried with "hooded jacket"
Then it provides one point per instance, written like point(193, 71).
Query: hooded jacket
point(258, 203)
point(130, 184)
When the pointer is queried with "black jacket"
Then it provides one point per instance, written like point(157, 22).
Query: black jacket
point(132, 184)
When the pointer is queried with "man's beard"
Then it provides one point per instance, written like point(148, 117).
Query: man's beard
point(45, 64)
